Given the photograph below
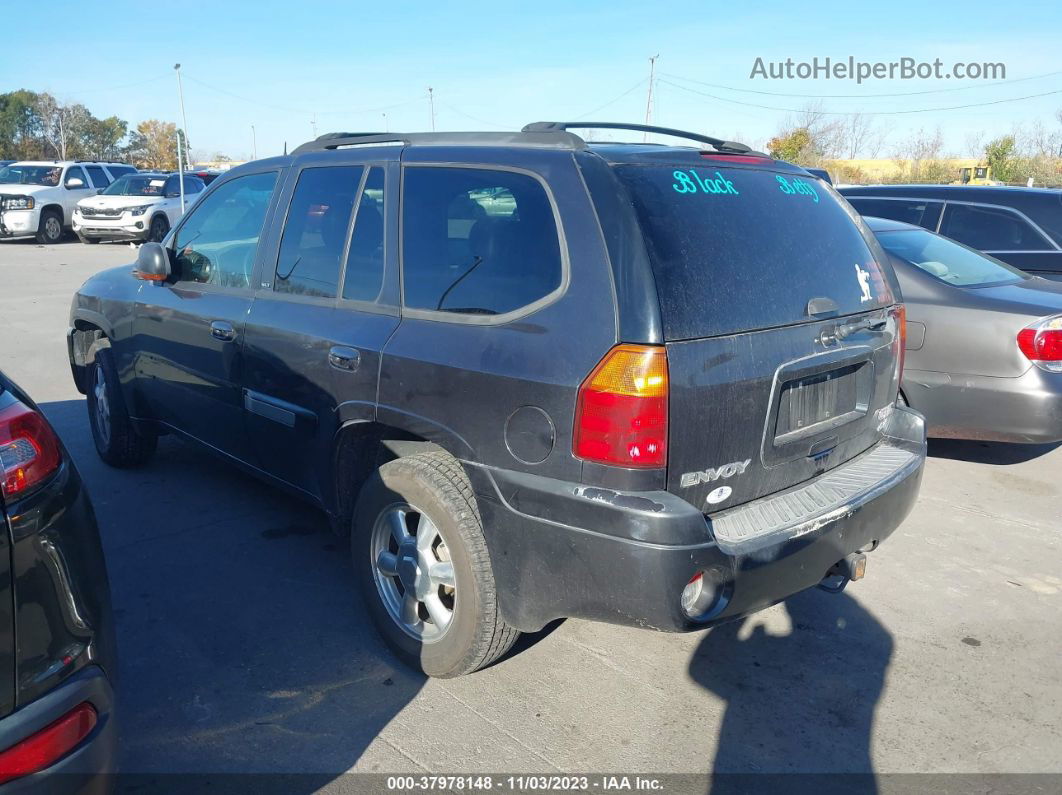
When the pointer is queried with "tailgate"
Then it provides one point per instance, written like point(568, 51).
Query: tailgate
point(761, 411)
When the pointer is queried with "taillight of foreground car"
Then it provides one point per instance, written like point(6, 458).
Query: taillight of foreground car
point(621, 412)
point(49, 745)
point(1041, 343)
point(29, 450)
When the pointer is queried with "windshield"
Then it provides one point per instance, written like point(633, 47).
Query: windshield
point(737, 249)
point(947, 260)
point(136, 185)
point(30, 175)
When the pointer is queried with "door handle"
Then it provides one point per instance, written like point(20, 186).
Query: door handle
point(343, 358)
point(220, 330)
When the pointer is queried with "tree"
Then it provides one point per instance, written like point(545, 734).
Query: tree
point(20, 127)
point(1000, 154)
point(858, 134)
point(154, 145)
point(102, 138)
point(796, 146)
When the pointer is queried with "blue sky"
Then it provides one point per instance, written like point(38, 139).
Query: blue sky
point(498, 65)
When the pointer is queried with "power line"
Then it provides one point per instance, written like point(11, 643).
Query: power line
point(614, 100)
point(861, 113)
point(477, 119)
point(862, 96)
point(302, 111)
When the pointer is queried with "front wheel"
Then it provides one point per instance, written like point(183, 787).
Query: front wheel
point(117, 440)
point(50, 228)
point(158, 229)
point(425, 572)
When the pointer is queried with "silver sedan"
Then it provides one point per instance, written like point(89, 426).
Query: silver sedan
point(984, 340)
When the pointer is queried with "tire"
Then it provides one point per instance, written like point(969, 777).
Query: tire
point(158, 229)
point(50, 227)
point(91, 241)
point(434, 486)
point(117, 441)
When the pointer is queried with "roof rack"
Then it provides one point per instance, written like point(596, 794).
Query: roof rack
point(558, 126)
point(549, 139)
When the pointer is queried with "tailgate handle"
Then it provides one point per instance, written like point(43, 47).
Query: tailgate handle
point(848, 329)
point(822, 306)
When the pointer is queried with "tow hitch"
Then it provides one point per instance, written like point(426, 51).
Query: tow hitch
point(850, 567)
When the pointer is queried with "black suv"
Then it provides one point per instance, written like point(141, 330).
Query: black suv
point(57, 655)
point(1021, 226)
point(533, 377)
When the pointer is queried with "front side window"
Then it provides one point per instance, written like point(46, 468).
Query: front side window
point(947, 260)
point(218, 242)
point(315, 233)
point(99, 176)
point(991, 229)
point(30, 175)
point(365, 260)
point(477, 241)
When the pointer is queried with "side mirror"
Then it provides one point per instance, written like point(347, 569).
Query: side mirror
point(100, 190)
point(152, 263)
point(173, 194)
point(75, 182)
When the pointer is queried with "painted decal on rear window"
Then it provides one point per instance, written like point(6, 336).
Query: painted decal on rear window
point(692, 182)
point(797, 187)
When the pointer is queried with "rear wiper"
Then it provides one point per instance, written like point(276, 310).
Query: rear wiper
point(850, 328)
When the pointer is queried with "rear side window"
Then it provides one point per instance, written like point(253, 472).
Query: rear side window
point(991, 229)
point(911, 211)
point(365, 259)
point(477, 241)
point(315, 233)
point(737, 249)
point(947, 260)
point(99, 176)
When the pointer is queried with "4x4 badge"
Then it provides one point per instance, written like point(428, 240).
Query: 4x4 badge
point(708, 475)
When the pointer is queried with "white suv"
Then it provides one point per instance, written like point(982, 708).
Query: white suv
point(136, 207)
point(37, 197)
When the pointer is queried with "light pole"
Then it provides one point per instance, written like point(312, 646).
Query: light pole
point(431, 105)
point(386, 128)
point(254, 144)
point(649, 99)
point(184, 132)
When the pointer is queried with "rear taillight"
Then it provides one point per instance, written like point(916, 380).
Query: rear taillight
point(621, 414)
point(29, 450)
point(899, 313)
point(49, 745)
point(1042, 343)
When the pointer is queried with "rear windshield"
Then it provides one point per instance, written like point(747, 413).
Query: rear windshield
point(737, 249)
point(947, 260)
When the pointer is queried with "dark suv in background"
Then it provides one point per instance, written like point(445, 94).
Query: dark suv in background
point(533, 377)
point(57, 656)
point(1021, 226)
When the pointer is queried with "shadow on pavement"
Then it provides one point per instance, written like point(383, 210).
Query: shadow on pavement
point(800, 703)
point(243, 644)
point(998, 453)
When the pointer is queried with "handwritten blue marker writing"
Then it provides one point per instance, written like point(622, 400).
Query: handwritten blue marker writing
point(797, 187)
point(689, 181)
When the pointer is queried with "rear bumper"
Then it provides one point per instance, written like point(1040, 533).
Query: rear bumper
point(89, 767)
point(565, 550)
point(1023, 409)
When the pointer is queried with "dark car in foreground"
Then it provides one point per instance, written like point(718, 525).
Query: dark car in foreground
point(984, 340)
point(1020, 226)
point(57, 652)
point(525, 376)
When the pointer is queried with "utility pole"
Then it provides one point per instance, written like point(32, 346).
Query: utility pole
point(254, 144)
point(313, 125)
point(431, 106)
point(649, 99)
point(184, 132)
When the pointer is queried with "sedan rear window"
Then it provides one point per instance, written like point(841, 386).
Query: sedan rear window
point(737, 249)
point(947, 260)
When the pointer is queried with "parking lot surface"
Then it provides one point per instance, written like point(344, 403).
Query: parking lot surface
point(244, 648)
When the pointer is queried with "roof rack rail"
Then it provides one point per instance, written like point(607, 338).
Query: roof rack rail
point(558, 126)
point(551, 139)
